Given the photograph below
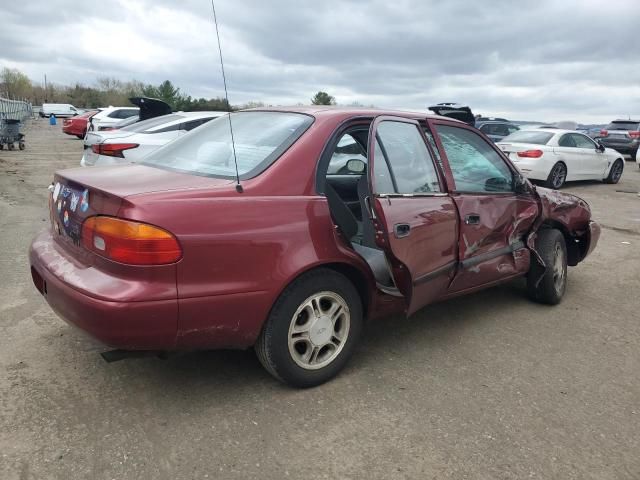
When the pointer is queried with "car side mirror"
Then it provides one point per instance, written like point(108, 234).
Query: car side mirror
point(520, 184)
point(600, 147)
point(496, 184)
point(356, 166)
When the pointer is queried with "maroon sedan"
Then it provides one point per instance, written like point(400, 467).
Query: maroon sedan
point(340, 215)
point(77, 125)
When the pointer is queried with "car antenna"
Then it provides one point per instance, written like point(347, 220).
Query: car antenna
point(226, 96)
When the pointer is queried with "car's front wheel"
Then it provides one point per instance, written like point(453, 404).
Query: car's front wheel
point(312, 329)
point(557, 176)
point(548, 284)
point(615, 173)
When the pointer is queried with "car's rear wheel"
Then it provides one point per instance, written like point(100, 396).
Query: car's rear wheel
point(557, 176)
point(312, 329)
point(616, 172)
point(548, 284)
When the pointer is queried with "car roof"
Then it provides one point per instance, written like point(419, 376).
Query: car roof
point(198, 114)
point(492, 121)
point(329, 111)
point(559, 131)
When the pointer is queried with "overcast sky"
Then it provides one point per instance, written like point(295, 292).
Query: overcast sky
point(528, 60)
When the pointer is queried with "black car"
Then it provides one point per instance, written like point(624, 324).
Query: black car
point(496, 128)
point(623, 136)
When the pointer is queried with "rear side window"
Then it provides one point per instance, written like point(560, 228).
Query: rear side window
point(475, 165)
point(623, 126)
point(260, 138)
point(148, 126)
point(404, 150)
point(567, 141)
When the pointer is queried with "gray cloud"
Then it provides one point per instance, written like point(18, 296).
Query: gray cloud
point(528, 60)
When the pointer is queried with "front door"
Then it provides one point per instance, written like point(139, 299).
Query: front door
point(493, 218)
point(415, 220)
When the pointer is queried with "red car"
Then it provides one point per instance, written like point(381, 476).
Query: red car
point(77, 125)
point(314, 220)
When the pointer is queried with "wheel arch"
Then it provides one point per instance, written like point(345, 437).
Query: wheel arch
point(575, 248)
point(355, 275)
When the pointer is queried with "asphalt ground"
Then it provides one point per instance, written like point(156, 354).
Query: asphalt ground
point(489, 386)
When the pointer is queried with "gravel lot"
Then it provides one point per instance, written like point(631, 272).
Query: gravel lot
point(489, 386)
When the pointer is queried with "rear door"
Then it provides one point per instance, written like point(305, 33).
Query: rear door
point(414, 218)
point(493, 218)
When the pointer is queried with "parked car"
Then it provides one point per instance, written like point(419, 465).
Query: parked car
point(554, 156)
point(623, 136)
point(59, 110)
point(144, 109)
point(496, 129)
point(131, 143)
point(209, 244)
point(77, 125)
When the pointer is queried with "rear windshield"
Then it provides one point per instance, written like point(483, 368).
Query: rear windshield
point(528, 136)
point(146, 125)
point(260, 138)
point(623, 126)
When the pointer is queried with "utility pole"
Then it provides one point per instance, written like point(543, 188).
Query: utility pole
point(45, 89)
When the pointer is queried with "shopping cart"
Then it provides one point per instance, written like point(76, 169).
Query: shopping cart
point(10, 133)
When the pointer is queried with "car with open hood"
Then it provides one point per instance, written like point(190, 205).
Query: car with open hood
point(264, 242)
point(144, 109)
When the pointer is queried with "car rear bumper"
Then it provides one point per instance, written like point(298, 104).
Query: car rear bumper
point(135, 324)
point(533, 169)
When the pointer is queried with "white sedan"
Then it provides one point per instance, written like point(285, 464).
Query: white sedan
point(133, 142)
point(554, 156)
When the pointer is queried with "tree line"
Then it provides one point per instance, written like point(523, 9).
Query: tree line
point(14, 84)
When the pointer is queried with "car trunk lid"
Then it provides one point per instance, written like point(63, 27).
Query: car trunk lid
point(456, 111)
point(150, 107)
point(79, 193)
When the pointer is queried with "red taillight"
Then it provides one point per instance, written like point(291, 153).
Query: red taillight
point(531, 154)
point(112, 149)
point(635, 134)
point(130, 242)
point(604, 133)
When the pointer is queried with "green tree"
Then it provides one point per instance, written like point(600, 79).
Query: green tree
point(15, 84)
point(323, 98)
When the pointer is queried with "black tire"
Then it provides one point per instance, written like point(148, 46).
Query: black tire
point(11, 146)
point(543, 284)
point(80, 136)
point(21, 146)
point(1, 146)
point(557, 176)
point(615, 172)
point(273, 345)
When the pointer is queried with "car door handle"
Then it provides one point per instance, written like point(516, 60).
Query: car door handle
point(401, 230)
point(472, 219)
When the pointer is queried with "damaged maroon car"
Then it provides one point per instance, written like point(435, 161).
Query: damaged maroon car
point(287, 240)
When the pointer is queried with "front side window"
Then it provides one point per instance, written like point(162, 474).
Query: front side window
point(583, 142)
point(405, 152)
point(347, 149)
point(260, 138)
point(475, 165)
